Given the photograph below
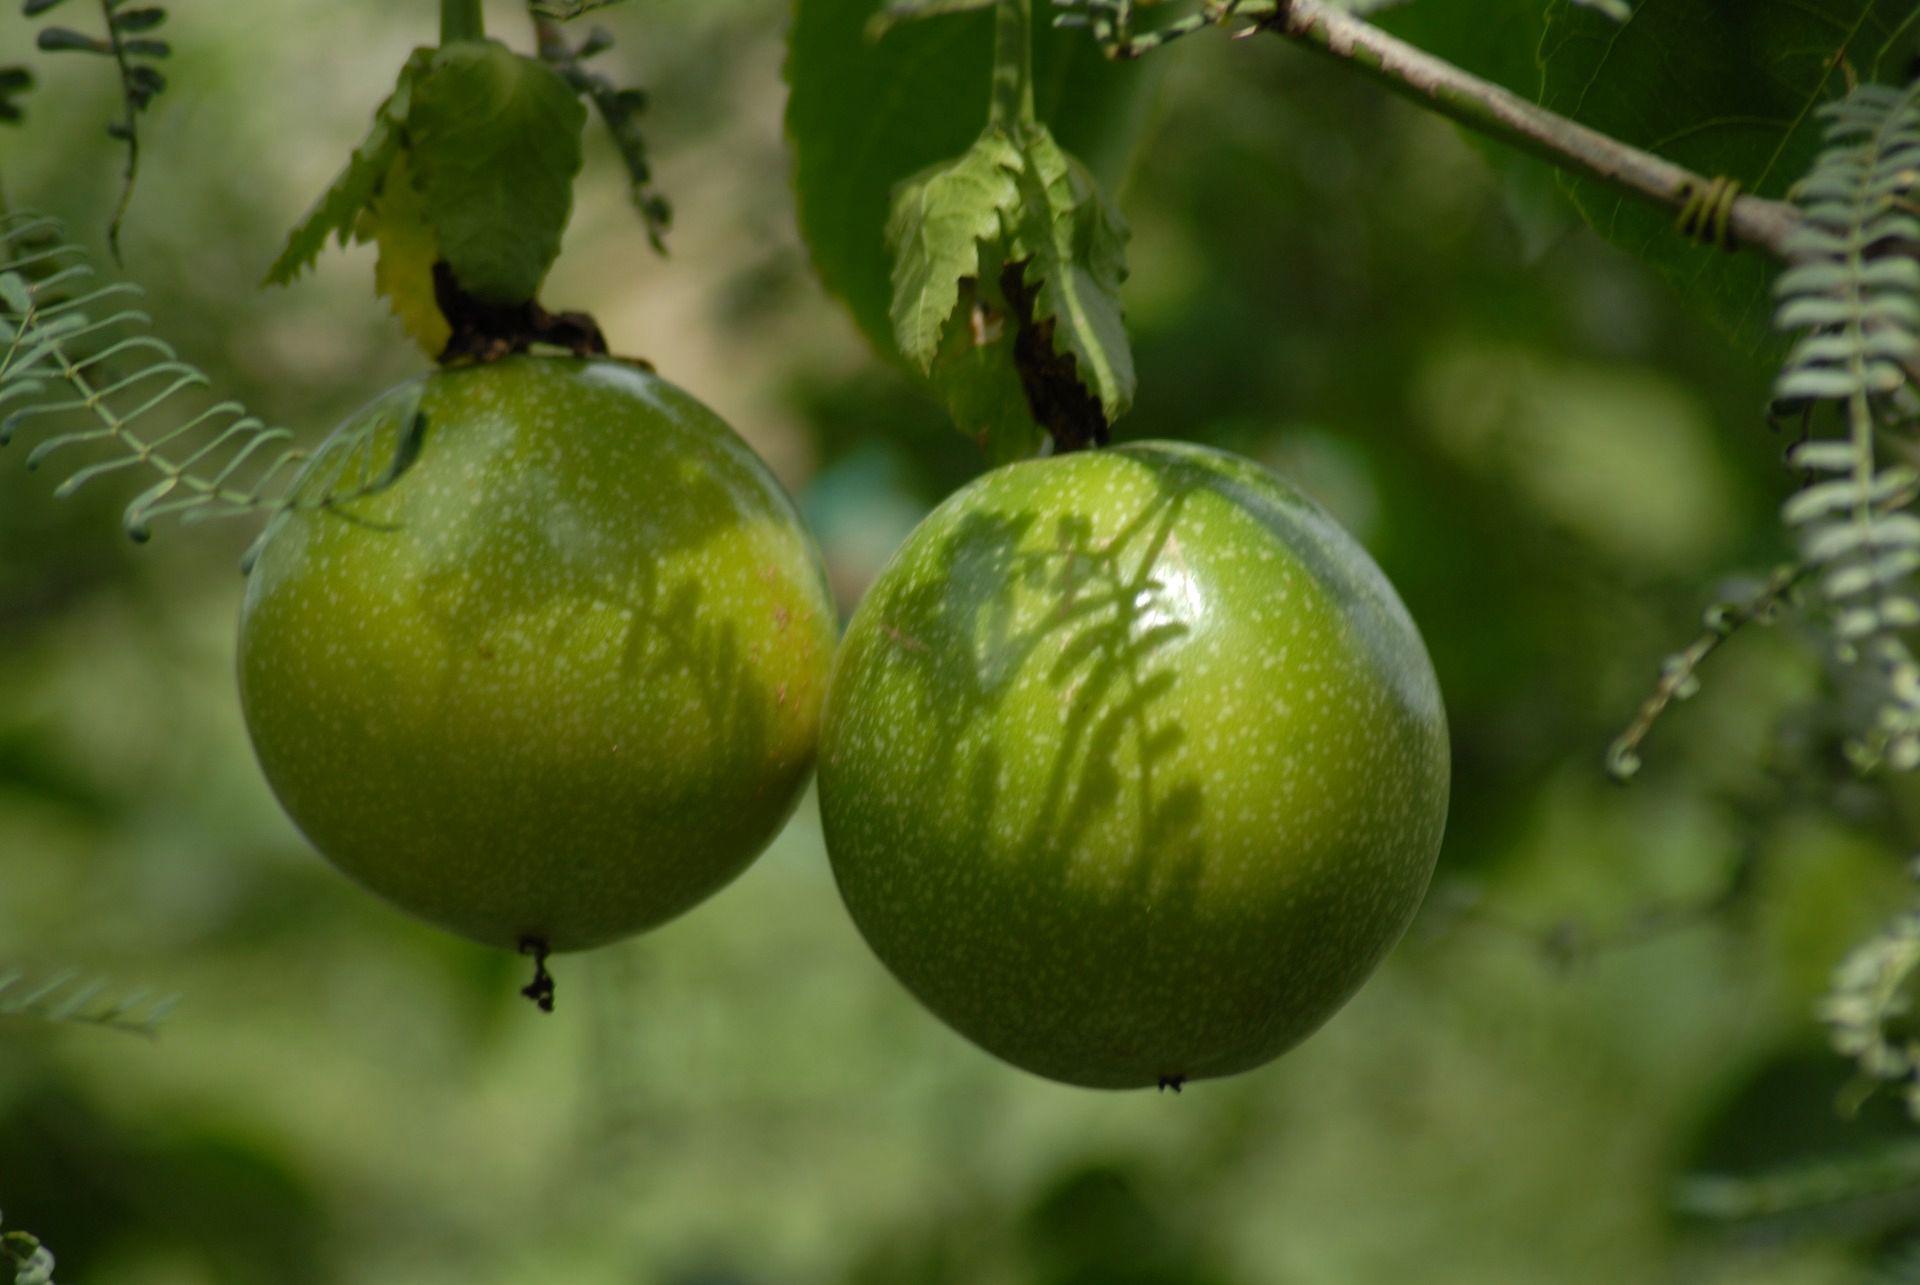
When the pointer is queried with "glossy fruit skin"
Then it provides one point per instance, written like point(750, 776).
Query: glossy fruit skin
point(1133, 765)
point(558, 682)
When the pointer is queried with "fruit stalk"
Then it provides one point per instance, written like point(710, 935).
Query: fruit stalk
point(1012, 64)
point(461, 20)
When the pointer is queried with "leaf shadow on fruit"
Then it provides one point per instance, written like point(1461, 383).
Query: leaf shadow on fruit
point(547, 569)
point(1005, 596)
point(1103, 639)
point(662, 629)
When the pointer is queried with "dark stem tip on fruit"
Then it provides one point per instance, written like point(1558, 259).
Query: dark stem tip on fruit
point(484, 331)
point(1060, 403)
point(1172, 1082)
point(540, 989)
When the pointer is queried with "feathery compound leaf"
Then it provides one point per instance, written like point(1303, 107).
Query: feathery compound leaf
point(940, 218)
point(30, 1262)
point(75, 355)
point(140, 83)
point(620, 110)
point(337, 212)
point(1853, 296)
point(69, 998)
point(1869, 1008)
point(496, 144)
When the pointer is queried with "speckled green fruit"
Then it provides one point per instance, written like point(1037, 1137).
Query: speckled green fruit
point(1133, 765)
point(559, 681)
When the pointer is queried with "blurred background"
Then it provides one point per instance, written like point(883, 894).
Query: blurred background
point(1594, 1059)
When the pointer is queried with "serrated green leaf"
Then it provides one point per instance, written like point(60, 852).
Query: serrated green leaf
point(1075, 243)
point(337, 212)
point(496, 145)
point(940, 217)
point(922, 99)
point(396, 221)
point(34, 8)
point(1724, 90)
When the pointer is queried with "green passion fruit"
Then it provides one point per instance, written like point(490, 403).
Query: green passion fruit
point(549, 672)
point(1133, 765)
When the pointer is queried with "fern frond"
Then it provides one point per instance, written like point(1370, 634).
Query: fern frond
point(620, 109)
point(1853, 294)
point(76, 353)
point(1869, 1009)
point(71, 997)
point(129, 43)
point(1837, 1195)
point(30, 1262)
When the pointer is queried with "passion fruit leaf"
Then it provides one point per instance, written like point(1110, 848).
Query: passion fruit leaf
point(1722, 91)
point(396, 221)
point(921, 103)
point(940, 217)
point(1075, 245)
point(496, 144)
point(338, 209)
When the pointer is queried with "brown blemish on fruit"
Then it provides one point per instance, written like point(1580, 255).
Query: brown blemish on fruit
point(901, 640)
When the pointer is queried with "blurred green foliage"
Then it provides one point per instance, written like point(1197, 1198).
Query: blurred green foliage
point(1608, 995)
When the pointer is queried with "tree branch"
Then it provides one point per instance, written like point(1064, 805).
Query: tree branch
point(1502, 115)
point(1708, 207)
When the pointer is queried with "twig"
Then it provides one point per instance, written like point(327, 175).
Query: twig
point(1678, 678)
point(127, 130)
point(1709, 207)
point(1503, 115)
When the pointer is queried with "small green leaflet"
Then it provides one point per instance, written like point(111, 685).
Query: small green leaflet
point(940, 217)
point(338, 211)
point(496, 143)
point(493, 142)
